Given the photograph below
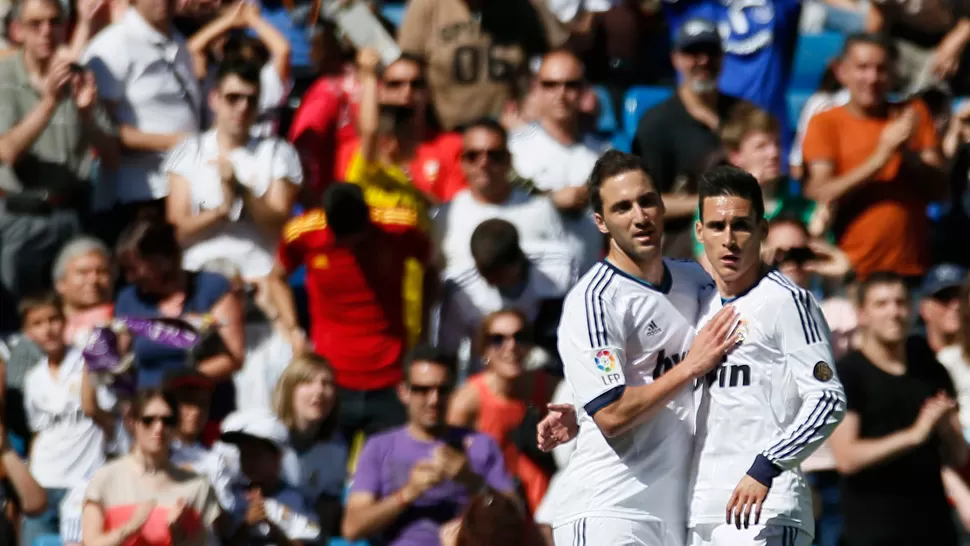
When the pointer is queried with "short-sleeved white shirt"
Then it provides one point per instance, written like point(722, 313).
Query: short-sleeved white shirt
point(267, 353)
point(258, 164)
point(68, 446)
point(150, 77)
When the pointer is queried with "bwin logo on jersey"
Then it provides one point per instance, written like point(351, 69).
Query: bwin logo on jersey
point(665, 363)
point(735, 375)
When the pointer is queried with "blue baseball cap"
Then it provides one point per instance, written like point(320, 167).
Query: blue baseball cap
point(941, 277)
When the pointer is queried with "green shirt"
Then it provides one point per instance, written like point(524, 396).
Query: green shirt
point(786, 203)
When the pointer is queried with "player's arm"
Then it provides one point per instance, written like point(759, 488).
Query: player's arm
point(600, 385)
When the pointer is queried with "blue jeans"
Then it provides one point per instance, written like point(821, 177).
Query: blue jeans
point(828, 526)
point(46, 523)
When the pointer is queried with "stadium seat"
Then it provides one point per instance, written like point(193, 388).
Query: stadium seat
point(638, 100)
point(812, 54)
point(796, 101)
point(48, 540)
point(393, 13)
point(606, 122)
point(341, 542)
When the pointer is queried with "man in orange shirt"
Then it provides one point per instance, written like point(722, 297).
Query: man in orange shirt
point(879, 164)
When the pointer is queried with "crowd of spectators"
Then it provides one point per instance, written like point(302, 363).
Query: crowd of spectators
point(382, 250)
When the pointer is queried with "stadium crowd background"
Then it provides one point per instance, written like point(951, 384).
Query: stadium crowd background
point(142, 176)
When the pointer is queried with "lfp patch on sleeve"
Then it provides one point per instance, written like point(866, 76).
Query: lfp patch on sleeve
point(822, 372)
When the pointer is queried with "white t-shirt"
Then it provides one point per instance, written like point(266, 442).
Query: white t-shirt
point(257, 165)
point(268, 352)
point(68, 446)
point(952, 359)
point(771, 403)
point(536, 219)
point(211, 464)
point(619, 331)
point(468, 297)
point(551, 166)
point(150, 77)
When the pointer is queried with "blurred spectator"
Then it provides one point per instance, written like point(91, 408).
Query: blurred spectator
point(412, 480)
point(490, 194)
point(939, 305)
point(142, 496)
point(50, 122)
point(306, 402)
point(676, 138)
point(830, 93)
point(67, 445)
point(477, 51)
point(556, 156)
point(29, 494)
point(956, 358)
point(507, 401)
point(295, 19)
point(759, 44)
point(152, 260)
point(144, 74)
point(842, 16)
point(900, 429)
point(268, 509)
point(878, 163)
point(949, 241)
point(231, 193)
point(356, 262)
point(491, 519)
point(83, 278)
point(327, 117)
point(192, 393)
point(434, 164)
point(224, 39)
point(505, 276)
point(931, 38)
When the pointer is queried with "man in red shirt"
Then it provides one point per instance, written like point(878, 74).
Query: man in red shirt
point(355, 272)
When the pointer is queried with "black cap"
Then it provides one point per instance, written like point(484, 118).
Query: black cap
point(697, 33)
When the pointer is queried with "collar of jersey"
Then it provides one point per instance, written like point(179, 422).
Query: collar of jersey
point(748, 289)
point(665, 284)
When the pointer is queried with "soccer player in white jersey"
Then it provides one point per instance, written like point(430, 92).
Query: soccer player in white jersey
point(624, 338)
point(773, 400)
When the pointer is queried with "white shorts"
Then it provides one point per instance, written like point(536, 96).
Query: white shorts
point(722, 534)
point(597, 531)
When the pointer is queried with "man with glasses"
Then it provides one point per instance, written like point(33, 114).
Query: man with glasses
point(555, 156)
point(412, 480)
point(50, 121)
point(490, 194)
point(230, 193)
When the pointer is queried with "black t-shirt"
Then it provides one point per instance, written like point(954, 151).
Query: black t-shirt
point(675, 149)
point(899, 501)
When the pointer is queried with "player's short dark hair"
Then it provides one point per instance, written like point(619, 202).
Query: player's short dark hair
point(432, 355)
point(870, 38)
point(244, 69)
point(879, 278)
point(32, 302)
point(610, 164)
point(729, 181)
point(347, 212)
point(489, 124)
point(495, 245)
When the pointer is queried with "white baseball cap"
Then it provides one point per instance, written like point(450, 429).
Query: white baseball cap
point(256, 423)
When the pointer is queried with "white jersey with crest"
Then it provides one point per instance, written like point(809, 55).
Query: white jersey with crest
point(618, 331)
point(771, 403)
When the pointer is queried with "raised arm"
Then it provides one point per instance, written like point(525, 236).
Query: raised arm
point(368, 120)
point(198, 44)
point(275, 42)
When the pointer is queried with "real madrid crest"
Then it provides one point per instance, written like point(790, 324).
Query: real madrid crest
point(742, 331)
point(822, 371)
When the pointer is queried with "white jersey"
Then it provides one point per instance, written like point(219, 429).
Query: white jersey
point(771, 403)
point(619, 331)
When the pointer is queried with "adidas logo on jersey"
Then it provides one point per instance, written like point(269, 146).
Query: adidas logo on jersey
point(653, 329)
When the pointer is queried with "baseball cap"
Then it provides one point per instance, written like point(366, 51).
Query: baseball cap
point(697, 32)
point(187, 378)
point(255, 423)
point(941, 277)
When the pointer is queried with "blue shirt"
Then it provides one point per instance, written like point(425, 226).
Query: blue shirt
point(758, 37)
point(154, 360)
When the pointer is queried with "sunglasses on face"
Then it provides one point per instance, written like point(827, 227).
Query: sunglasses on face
point(498, 340)
point(234, 99)
point(569, 85)
point(494, 155)
point(418, 83)
point(168, 421)
point(424, 390)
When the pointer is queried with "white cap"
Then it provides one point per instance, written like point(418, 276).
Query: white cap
point(258, 423)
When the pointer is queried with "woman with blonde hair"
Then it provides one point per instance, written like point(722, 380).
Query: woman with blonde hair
point(305, 400)
point(507, 400)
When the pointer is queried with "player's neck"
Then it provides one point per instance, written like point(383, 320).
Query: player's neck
point(888, 357)
point(650, 269)
point(733, 288)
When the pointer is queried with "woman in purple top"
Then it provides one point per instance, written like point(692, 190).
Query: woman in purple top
point(412, 480)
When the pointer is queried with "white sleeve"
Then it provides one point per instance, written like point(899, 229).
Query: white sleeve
point(803, 337)
point(286, 164)
point(591, 345)
point(108, 61)
point(182, 158)
point(37, 419)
